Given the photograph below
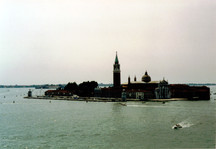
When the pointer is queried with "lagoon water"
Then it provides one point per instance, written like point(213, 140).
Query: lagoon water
point(33, 123)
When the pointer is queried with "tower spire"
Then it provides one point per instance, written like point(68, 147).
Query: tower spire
point(116, 73)
point(135, 79)
point(116, 59)
point(129, 80)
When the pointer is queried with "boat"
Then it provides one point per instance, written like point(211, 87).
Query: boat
point(177, 126)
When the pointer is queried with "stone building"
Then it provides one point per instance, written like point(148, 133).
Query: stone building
point(147, 89)
point(163, 91)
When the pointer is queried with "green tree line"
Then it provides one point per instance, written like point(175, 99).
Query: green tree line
point(85, 89)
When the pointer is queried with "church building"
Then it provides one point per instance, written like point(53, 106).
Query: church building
point(147, 89)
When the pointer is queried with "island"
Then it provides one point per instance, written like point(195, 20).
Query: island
point(137, 90)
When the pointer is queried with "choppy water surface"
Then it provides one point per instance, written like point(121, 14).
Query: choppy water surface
point(30, 123)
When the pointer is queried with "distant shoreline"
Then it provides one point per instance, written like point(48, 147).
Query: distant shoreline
point(101, 99)
point(53, 86)
point(46, 86)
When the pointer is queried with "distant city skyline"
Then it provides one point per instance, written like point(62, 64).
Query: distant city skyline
point(56, 42)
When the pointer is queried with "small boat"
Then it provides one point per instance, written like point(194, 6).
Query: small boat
point(177, 126)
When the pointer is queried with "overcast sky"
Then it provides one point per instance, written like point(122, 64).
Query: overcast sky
point(61, 41)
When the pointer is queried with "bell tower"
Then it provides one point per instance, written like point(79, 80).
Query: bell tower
point(116, 73)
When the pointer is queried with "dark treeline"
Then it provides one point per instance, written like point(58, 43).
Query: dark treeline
point(85, 89)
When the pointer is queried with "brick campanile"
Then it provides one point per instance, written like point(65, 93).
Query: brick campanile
point(116, 73)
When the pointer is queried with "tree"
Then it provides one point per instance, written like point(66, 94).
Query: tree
point(71, 87)
point(86, 89)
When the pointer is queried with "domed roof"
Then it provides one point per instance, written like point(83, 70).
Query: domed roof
point(163, 81)
point(146, 78)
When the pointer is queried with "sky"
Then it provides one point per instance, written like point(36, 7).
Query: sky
point(61, 41)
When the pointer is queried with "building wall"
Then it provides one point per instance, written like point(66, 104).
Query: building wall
point(192, 93)
point(116, 79)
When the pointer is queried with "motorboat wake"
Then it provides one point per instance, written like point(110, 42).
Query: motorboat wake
point(183, 124)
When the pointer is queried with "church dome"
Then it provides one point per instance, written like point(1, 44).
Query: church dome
point(146, 78)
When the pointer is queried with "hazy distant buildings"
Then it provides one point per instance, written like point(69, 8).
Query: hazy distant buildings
point(144, 89)
point(148, 89)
